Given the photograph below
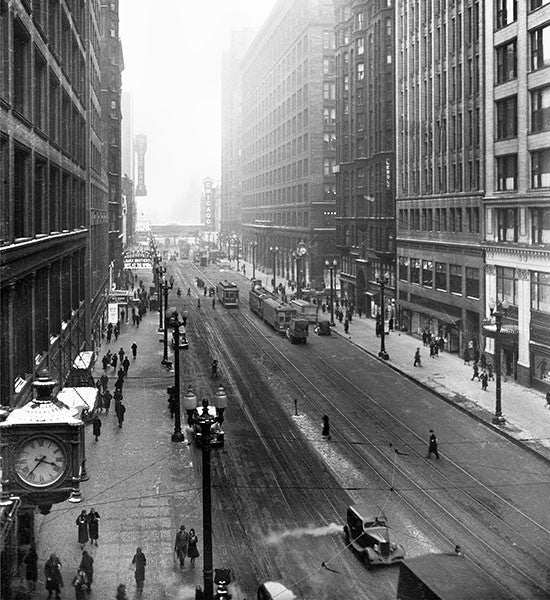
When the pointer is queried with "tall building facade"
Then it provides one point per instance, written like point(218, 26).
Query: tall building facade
point(440, 175)
point(112, 65)
point(288, 158)
point(53, 192)
point(128, 135)
point(517, 183)
point(231, 158)
point(365, 141)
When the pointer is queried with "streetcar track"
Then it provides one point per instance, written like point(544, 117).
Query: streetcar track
point(255, 323)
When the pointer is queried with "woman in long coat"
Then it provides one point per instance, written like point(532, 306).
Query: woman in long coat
point(87, 565)
point(82, 523)
point(139, 561)
point(192, 551)
point(52, 573)
point(93, 525)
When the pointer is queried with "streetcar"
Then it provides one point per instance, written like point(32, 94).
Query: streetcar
point(255, 298)
point(228, 294)
point(277, 314)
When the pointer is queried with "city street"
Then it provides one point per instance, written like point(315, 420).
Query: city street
point(279, 490)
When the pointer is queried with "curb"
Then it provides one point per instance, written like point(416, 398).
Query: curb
point(448, 400)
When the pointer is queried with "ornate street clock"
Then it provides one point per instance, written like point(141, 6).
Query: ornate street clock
point(42, 449)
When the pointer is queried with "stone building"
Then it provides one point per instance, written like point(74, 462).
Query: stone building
point(288, 152)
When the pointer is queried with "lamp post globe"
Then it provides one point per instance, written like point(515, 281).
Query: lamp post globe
point(331, 266)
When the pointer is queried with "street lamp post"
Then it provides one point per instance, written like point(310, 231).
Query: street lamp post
point(299, 254)
point(253, 245)
point(175, 322)
point(206, 422)
point(160, 273)
point(498, 311)
point(165, 287)
point(331, 267)
point(274, 250)
point(382, 283)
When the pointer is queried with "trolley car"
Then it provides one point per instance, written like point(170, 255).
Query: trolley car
point(228, 294)
point(255, 298)
point(276, 314)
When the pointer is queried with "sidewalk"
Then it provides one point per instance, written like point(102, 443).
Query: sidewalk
point(527, 418)
point(141, 483)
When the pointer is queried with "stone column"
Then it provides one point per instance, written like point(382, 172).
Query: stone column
point(34, 316)
point(524, 322)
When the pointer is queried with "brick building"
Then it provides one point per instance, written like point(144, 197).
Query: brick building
point(53, 197)
point(440, 175)
point(365, 140)
point(288, 153)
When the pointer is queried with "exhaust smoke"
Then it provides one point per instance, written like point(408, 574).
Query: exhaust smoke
point(275, 538)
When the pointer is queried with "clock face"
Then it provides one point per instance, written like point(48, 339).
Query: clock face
point(40, 461)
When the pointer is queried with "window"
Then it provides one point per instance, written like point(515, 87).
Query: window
point(472, 282)
point(506, 12)
point(455, 272)
point(540, 225)
point(506, 172)
point(506, 285)
point(540, 168)
point(360, 71)
point(506, 62)
point(360, 45)
point(403, 268)
point(534, 4)
point(540, 109)
point(427, 273)
point(21, 68)
point(540, 47)
point(328, 40)
point(507, 118)
point(415, 270)
point(329, 141)
point(441, 276)
point(507, 224)
point(540, 291)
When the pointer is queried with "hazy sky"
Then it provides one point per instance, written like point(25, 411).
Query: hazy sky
point(172, 57)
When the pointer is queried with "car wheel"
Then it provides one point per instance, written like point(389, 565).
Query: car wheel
point(367, 561)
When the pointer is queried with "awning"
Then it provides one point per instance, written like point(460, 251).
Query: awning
point(438, 314)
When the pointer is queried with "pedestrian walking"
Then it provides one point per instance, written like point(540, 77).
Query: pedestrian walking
point(417, 360)
point(138, 320)
point(390, 324)
point(118, 397)
point(325, 432)
point(476, 372)
point(82, 524)
point(93, 526)
point(346, 326)
point(80, 584)
point(432, 445)
point(87, 565)
point(483, 361)
point(490, 372)
point(199, 302)
point(114, 361)
point(31, 567)
point(180, 545)
point(104, 380)
point(121, 354)
point(122, 315)
point(214, 303)
point(432, 350)
point(441, 344)
point(53, 576)
point(484, 378)
point(96, 427)
point(215, 369)
point(139, 561)
point(134, 350)
point(120, 409)
point(126, 365)
point(548, 399)
point(105, 362)
point(107, 397)
point(116, 331)
point(192, 551)
point(121, 592)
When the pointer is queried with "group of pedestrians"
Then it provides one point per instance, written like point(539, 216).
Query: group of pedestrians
point(186, 546)
point(483, 371)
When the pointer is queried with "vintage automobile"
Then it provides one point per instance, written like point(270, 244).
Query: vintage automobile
point(322, 328)
point(269, 590)
point(184, 342)
point(217, 434)
point(367, 532)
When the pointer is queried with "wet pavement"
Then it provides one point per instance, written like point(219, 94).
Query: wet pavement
point(527, 417)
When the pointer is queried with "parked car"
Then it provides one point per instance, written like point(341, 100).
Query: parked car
point(322, 328)
point(367, 532)
point(217, 435)
point(271, 590)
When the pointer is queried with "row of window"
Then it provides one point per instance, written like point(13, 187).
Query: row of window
point(284, 174)
point(441, 276)
point(507, 57)
point(292, 194)
point(281, 219)
point(506, 11)
point(507, 170)
point(507, 114)
point(508, 221)
point(284, 152)
point(507, 288)
point(454, 219)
